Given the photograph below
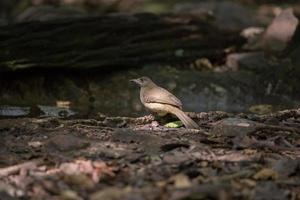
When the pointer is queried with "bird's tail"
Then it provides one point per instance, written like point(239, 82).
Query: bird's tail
point(186, 120)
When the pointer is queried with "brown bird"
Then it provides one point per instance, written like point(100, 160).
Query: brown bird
point(161, 101)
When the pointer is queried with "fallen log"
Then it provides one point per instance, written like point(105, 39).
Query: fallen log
point(111, 41)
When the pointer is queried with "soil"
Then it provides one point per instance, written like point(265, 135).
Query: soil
point(233, 156)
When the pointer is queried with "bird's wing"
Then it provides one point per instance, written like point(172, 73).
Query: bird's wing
point(161, 95)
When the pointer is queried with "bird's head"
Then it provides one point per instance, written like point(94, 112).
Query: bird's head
point(143, 81)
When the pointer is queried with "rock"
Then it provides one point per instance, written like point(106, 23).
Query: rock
point(55, 111)
point(253, 36)
point(246, 61)
point(268, 190)
point(280, 31)
point(234, 127)
point(14, 111)
point(175, 157)
point(228, 15)
point(67, 143)
point(286, 166)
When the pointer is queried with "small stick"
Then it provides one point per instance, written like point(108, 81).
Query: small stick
point(6, 171)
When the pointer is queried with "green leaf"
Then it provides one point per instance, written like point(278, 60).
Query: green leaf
point(175, 124)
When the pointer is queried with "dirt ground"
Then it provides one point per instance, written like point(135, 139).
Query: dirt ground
point(233, 156)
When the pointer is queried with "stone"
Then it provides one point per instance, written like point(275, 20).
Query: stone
point(246, 61)
point(67, 143)
point(227, 15)
point(280, 31)
point(234, 127)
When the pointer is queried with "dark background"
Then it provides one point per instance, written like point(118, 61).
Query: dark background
point(64, 56)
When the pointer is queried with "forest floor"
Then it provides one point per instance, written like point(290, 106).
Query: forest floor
point(233, 156)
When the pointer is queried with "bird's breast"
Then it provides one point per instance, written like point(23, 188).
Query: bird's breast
point(157, 108)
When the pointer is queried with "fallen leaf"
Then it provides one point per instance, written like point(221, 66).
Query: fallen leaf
point(35, 144)
point(181, 181)
point(175, 124)
point(266, 174)
point(69, 195)
point(250, 151)
point(94, 169)
point(261, 109)
point(80, 180)
point(112, 193)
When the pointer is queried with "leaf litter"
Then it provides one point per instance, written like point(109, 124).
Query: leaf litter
point(231, 157)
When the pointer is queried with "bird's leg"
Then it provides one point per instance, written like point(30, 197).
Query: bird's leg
point(160, 116)
point(157, 119)
point(164, 118)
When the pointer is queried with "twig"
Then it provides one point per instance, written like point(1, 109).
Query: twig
point(6, 171)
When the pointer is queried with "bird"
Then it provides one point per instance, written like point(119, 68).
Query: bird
point(161, 101)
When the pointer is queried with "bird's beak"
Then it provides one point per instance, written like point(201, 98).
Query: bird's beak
point(137, 81)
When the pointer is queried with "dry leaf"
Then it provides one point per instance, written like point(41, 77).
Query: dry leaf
point(266, 174)
point(181, 181)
